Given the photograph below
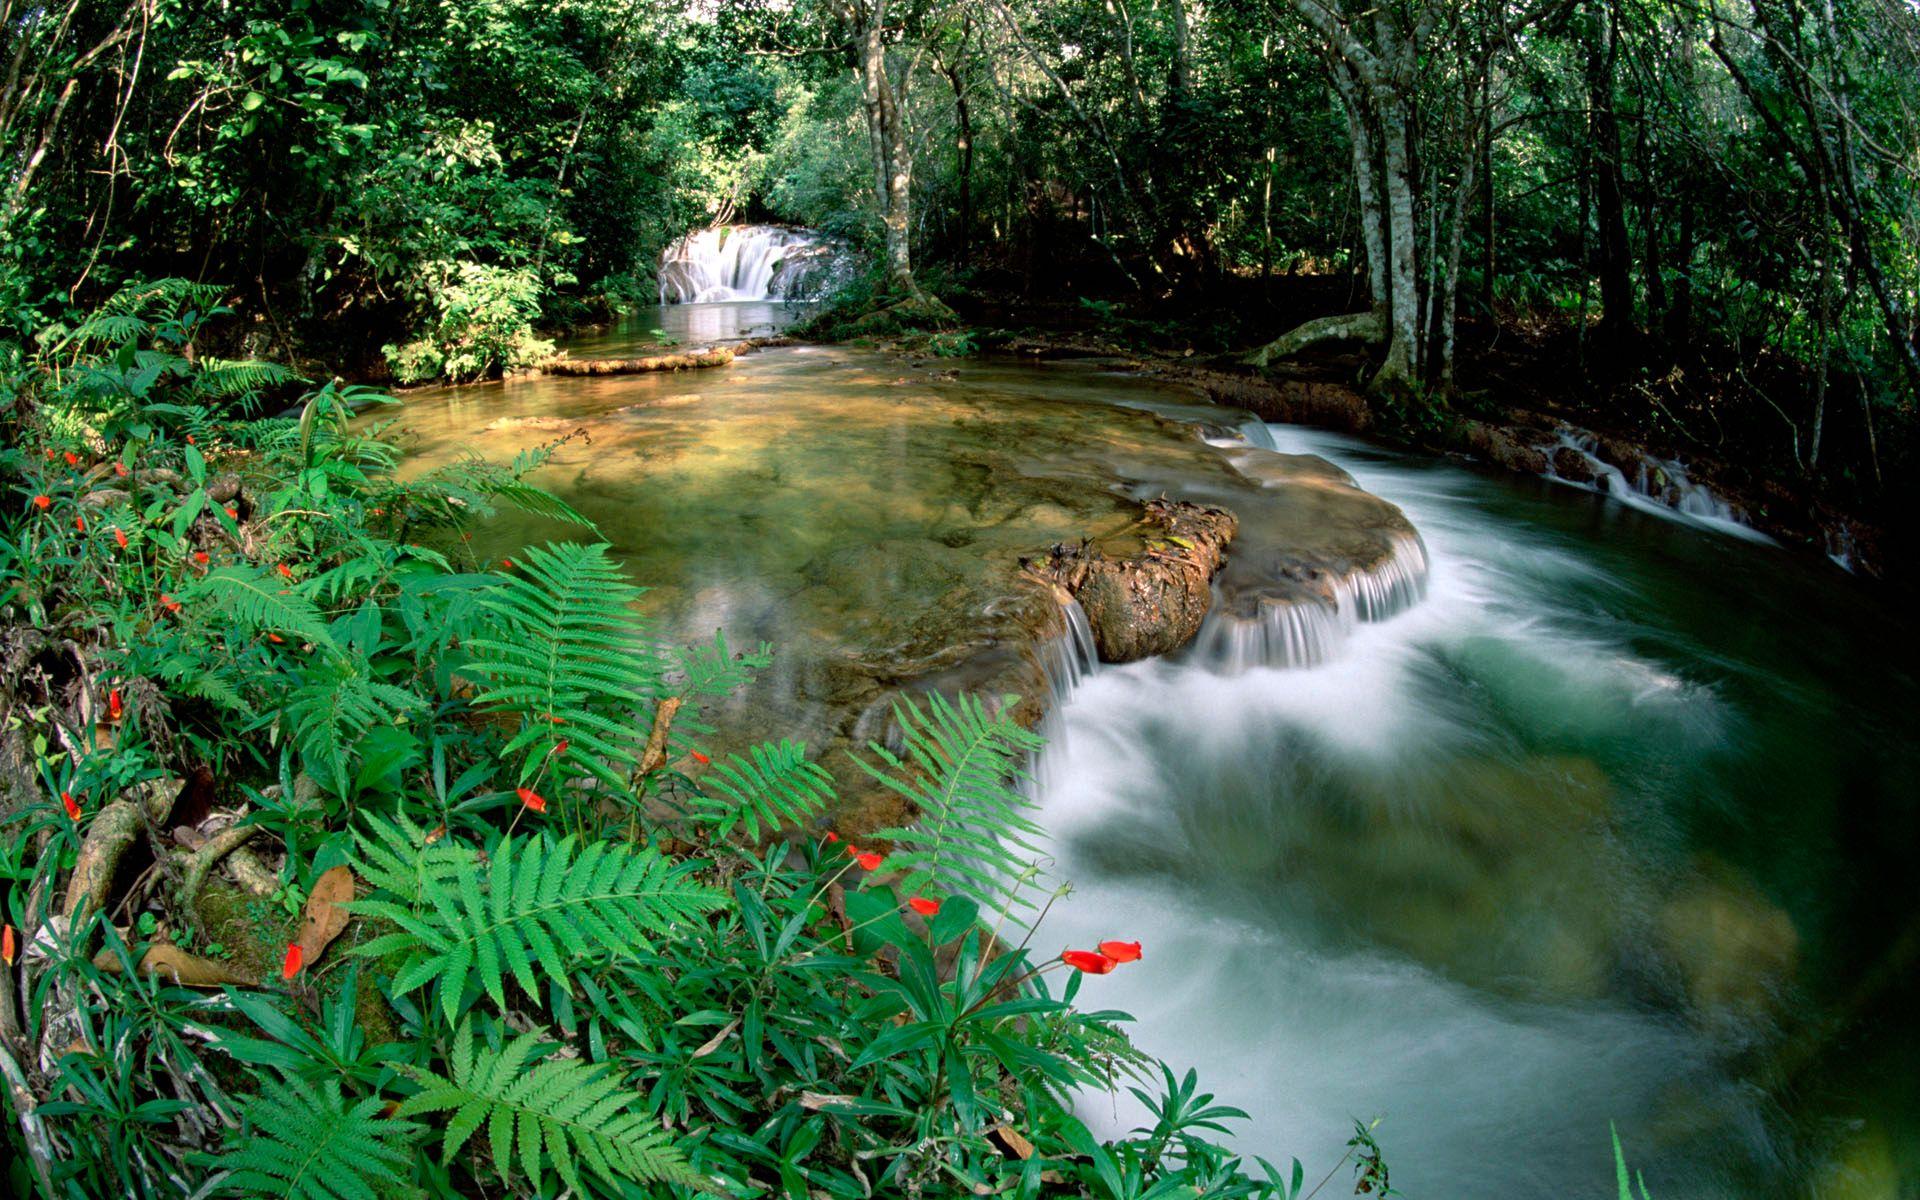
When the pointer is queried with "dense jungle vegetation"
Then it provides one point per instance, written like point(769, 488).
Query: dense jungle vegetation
point(339, 863)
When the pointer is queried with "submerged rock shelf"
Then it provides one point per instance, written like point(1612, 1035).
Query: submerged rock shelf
point(892, 534)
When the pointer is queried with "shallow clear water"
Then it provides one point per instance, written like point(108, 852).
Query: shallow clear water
point(1612, 826)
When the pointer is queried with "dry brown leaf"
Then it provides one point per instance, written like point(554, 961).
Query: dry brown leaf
point(1008, 1141)
point(815, 1101)
point(324, 917)
point(713, 1043)
point(177, 966)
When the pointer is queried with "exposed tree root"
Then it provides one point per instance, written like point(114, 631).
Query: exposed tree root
point(1365, 327)
point(205, 858)
point(699, 356)
point(250, 873)
point(108, 839)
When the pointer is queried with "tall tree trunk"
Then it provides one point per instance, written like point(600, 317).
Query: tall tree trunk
point(1616, 258)
point(1366, 168)
point(892, 157)
point(963, 147)
point(1403, 283)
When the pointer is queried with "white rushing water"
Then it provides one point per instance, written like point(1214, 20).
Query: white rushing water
point(750, 262)
point(1344, 918)
point(1660, 486)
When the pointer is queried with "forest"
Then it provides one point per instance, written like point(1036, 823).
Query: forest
point(1122, 599)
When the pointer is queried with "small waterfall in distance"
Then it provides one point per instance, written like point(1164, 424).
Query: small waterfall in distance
point(751, 262)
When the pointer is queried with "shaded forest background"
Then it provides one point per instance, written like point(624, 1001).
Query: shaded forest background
point(1699, 217)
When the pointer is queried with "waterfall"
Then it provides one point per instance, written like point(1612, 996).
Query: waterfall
point(1294, 631)
point(751, 262)
point(1658, 485)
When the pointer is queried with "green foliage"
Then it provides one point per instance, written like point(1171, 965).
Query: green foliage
point(523, 903)
point(577, 1113)
point(770, 787)
point(965, 765)
point(305, 1141)
point(482, 326)
point(569, 661)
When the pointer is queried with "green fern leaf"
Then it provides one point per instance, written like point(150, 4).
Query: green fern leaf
point(303, 1141)
point(577, 1113)
point(772, 787)
point(525, 904)
point(252, 602)
point(961, 772)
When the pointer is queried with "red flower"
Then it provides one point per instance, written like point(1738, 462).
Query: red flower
point(6, 945)
point(439, 831)
point(73, 460)
point(275, 638)
point(924, 906)
point(120, 469)
point(700, 758)
point(190, 441)
point(120, 537)
point(560, 747)
point(49, 453)
point(832, 837)
point(286, 572)
point(168, 603)
point(115, 709)
point(43, 502)
point(868, 860)
point(200, 557)
point(532, 799)
point(80, 523)
point(1121, 952)
point(507, 563)
point(72, 805)
point(291, 967)
point(379, 512)
point(233, 514)
point(1092, 962)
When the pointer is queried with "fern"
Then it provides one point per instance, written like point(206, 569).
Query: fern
point(570, 660)
point(255, 602)
point(529, 902)
point(773, 786)
point(579, 1113)
point(961, 771)
point(304, 1142)
point(334, 706)
point(397, 857)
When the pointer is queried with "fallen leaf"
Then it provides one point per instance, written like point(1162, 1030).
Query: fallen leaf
point(713, 1043)
point(176, 965)
point(1008, 1141)
point(324, 917)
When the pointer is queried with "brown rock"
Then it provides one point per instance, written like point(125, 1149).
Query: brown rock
point(1151, 601)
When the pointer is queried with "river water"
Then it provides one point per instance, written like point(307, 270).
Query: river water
point(1612, 823)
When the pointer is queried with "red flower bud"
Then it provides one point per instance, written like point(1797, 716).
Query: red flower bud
point(200, 557)
point(115, 709)
point(190, 441)
point(49, 453)
point(291, 967)
point(700, 758)
point(120, 537)
point(233, 514)
point(1121, 952)
point(72, 805)
point(286, 572)
point(439, 831)
point(832, 837)
point(560, 747)
point(924, 906)
point(73, 460)
point(532, 799)
point(1089, 961)
point(43, 502)
point(7, 948)
point(168, 603)
point(507, 563)
point(276, 639)
point(80, 523)
point(120, 469)
point(868, 860)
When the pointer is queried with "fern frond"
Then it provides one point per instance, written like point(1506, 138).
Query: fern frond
point(570, 659)
point(225, 378)
point(396, 857)
point(255, 602)
point(302, 1141)
point(773, 786)
point(532, 902)
point(334, 705)
point(961, 772)
point(578, 1113)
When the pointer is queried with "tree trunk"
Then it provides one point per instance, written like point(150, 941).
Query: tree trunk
point(1396, 372)
point(1616, 258)
point(892, 159)
point(963, 146)
point(1373, 221)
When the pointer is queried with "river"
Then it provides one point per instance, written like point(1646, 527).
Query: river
point(1610, 823)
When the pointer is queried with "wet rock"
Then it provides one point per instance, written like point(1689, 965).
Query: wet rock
point(1152, 601)
point(1573, 466)
point(223, 488)
point(1505, 447)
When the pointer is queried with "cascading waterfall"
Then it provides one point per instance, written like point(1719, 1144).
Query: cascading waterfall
point(1659, 485)
point(750, 262)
